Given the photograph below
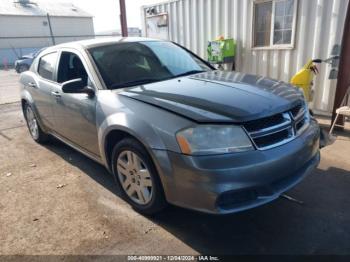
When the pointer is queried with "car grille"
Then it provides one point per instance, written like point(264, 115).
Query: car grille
point(278, 129)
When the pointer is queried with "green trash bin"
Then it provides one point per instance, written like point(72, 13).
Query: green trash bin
point(221, 51)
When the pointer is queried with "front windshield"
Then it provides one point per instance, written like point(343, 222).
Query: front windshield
point(135, 63)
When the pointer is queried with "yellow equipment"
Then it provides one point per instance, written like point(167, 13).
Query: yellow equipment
point(304, 78)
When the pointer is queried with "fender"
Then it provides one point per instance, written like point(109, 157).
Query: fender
point(25, 95)
point(25, 78)
point(132, 125)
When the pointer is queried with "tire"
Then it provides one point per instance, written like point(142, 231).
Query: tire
point(137, 179)
point(34, 128)
point(23, 68)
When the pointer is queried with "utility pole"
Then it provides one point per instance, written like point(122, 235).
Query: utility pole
point(51, 34)
point(343, 82)
point(123, 23)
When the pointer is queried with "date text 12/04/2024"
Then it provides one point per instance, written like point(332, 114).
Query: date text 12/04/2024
point(173, 258)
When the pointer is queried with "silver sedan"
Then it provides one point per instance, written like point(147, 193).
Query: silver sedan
point(168, 126)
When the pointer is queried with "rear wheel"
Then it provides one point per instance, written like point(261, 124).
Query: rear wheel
point(137, 177)
point(34, 129)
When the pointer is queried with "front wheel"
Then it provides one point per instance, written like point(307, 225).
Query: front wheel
point(137, 177)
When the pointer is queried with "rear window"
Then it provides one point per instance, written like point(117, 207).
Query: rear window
point(47, 65)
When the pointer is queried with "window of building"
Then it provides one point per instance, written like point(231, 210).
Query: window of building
point(47, 66)
point(274, 23)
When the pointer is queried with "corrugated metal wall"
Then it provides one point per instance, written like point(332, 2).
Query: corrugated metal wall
point(319, 26)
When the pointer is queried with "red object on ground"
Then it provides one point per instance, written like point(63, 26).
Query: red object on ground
point(5, 63)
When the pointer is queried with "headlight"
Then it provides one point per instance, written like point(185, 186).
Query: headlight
point(213, 139)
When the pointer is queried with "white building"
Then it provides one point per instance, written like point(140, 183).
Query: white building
point(132, 32)
point(274, 38)
point(25, 26)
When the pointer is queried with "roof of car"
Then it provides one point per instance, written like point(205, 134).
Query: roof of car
point(104, 41)
point(83, 44)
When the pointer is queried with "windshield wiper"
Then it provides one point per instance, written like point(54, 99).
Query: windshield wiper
point(192, 72)
point(150, 80)
point(135, 83)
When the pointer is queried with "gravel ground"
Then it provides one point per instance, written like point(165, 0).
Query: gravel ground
point(56, 201)
point(9, 88)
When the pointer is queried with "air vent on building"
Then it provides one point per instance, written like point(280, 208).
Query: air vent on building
point(24, 2)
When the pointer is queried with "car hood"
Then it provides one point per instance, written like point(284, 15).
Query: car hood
point(218, 96)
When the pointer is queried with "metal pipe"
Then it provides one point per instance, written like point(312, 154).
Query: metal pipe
point(51, 33)
point(123, 22)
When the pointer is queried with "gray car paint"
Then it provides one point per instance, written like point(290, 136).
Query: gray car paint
point(216, 96)
point(84, 123)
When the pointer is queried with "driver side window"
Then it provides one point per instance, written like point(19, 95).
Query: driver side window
point(71, 67)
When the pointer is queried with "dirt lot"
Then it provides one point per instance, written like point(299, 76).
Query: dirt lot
point(9, 91)
point(56, 201)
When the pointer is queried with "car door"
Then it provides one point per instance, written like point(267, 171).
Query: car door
point(42, 87)
point(75, 114)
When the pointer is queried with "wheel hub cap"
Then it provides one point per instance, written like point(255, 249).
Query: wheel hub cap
point(134, 177)
point(32, 123)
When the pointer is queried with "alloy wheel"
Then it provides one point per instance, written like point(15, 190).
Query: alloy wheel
point(134, 177)
point(32, 123)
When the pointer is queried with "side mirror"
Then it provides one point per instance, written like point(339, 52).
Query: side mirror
point(77, 86)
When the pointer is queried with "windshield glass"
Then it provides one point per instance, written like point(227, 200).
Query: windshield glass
point(136, 63)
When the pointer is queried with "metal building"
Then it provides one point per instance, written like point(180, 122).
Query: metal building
point(274, 38)
point(25, 26)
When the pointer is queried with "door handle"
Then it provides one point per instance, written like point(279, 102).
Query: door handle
point(31, 84)
point(56, 94)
